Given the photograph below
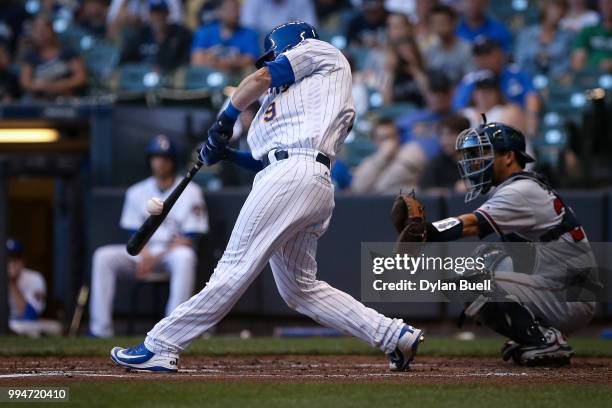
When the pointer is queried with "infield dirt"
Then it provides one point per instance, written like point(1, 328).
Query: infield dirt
point(306, 369)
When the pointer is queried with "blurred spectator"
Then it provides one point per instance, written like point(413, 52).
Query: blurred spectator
point(50, 70)
point(405, 79)
point(171, 248)
point(578, 16)
point(9, 85)
point(405, 148)
point(516, 84)
point(441, 172)
point(450, 54)
point(130, 13)
point(264, 15)
point(200, 12)
point(12, 17)
point(476, 22)
point(161, 43)
point(367, 27)
point(420, 126)
point(423, 28)
point(226, 45)
point(398, 27)
point(487, 98)
point(543, 48)
point(593, 47)
point(371, 171)
point(93, 17)
point(328, 12)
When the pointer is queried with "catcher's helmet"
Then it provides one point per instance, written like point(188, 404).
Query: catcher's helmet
point(283, 38)
point(477, 146)
point(161, 145)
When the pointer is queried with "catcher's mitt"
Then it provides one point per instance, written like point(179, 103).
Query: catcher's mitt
point(408, 216)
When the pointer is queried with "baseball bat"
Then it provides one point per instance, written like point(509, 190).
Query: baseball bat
point(148, 228)
point(78, 311)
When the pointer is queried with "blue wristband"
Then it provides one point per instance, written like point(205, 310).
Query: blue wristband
point(231, 111)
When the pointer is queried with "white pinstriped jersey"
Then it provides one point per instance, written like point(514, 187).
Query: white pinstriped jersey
point(315, 112)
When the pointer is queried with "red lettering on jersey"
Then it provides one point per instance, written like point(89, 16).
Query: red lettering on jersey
point(577, 234)
point(558, 205)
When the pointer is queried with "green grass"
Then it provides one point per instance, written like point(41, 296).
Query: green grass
point(335, 395)
point(433, 346)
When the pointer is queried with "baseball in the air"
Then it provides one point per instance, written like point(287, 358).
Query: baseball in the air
point(155, 206)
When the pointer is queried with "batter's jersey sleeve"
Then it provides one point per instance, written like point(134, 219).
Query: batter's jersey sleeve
point(195, 217)
point(311, 57)
point(132, 214)
point(507, 211)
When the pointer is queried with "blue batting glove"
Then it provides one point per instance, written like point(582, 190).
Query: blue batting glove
point(213, 151)
point(219, 135)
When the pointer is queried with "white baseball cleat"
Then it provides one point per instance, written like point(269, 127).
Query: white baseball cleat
point(406, 349)
point(140, 358)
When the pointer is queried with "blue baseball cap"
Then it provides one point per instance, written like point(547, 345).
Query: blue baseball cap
point(14, 247)
point(162, 145)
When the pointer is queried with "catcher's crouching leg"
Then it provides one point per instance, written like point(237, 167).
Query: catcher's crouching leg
point(531, 343)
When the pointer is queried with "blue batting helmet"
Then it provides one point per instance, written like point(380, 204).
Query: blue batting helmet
point(478, 146)
point(161, 145)
point(283, 38)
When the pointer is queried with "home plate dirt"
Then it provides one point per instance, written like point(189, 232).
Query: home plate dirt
point(307, 369)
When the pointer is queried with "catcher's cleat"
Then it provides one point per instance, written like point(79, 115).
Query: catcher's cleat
point(140, 358)
point(553, 352)
point(407, 345)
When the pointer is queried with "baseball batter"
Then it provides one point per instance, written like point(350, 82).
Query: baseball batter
point(528, 308)
point(306, 113)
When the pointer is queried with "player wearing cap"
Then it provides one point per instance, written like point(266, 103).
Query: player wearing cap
point(27, 288)
point(170, 249)
point(529, 306)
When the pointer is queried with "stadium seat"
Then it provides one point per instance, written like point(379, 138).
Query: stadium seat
point(358, 150)
point(199, 86)
point(395, 110)
point(72, 37)
point(200, 78)
point(569, 101)
point(101, 61)
point(139, 78)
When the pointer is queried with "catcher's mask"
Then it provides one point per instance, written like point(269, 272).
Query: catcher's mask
point(478, 146)
point(476, 163)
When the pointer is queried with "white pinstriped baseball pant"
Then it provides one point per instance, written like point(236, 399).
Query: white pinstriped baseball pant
point(288, 209)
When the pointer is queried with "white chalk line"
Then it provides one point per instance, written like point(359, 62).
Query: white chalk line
point(219, 373)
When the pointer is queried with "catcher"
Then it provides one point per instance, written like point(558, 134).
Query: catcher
point(522, 208)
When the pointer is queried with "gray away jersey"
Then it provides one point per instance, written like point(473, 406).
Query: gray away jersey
point(524, 208)
point(315, 112)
